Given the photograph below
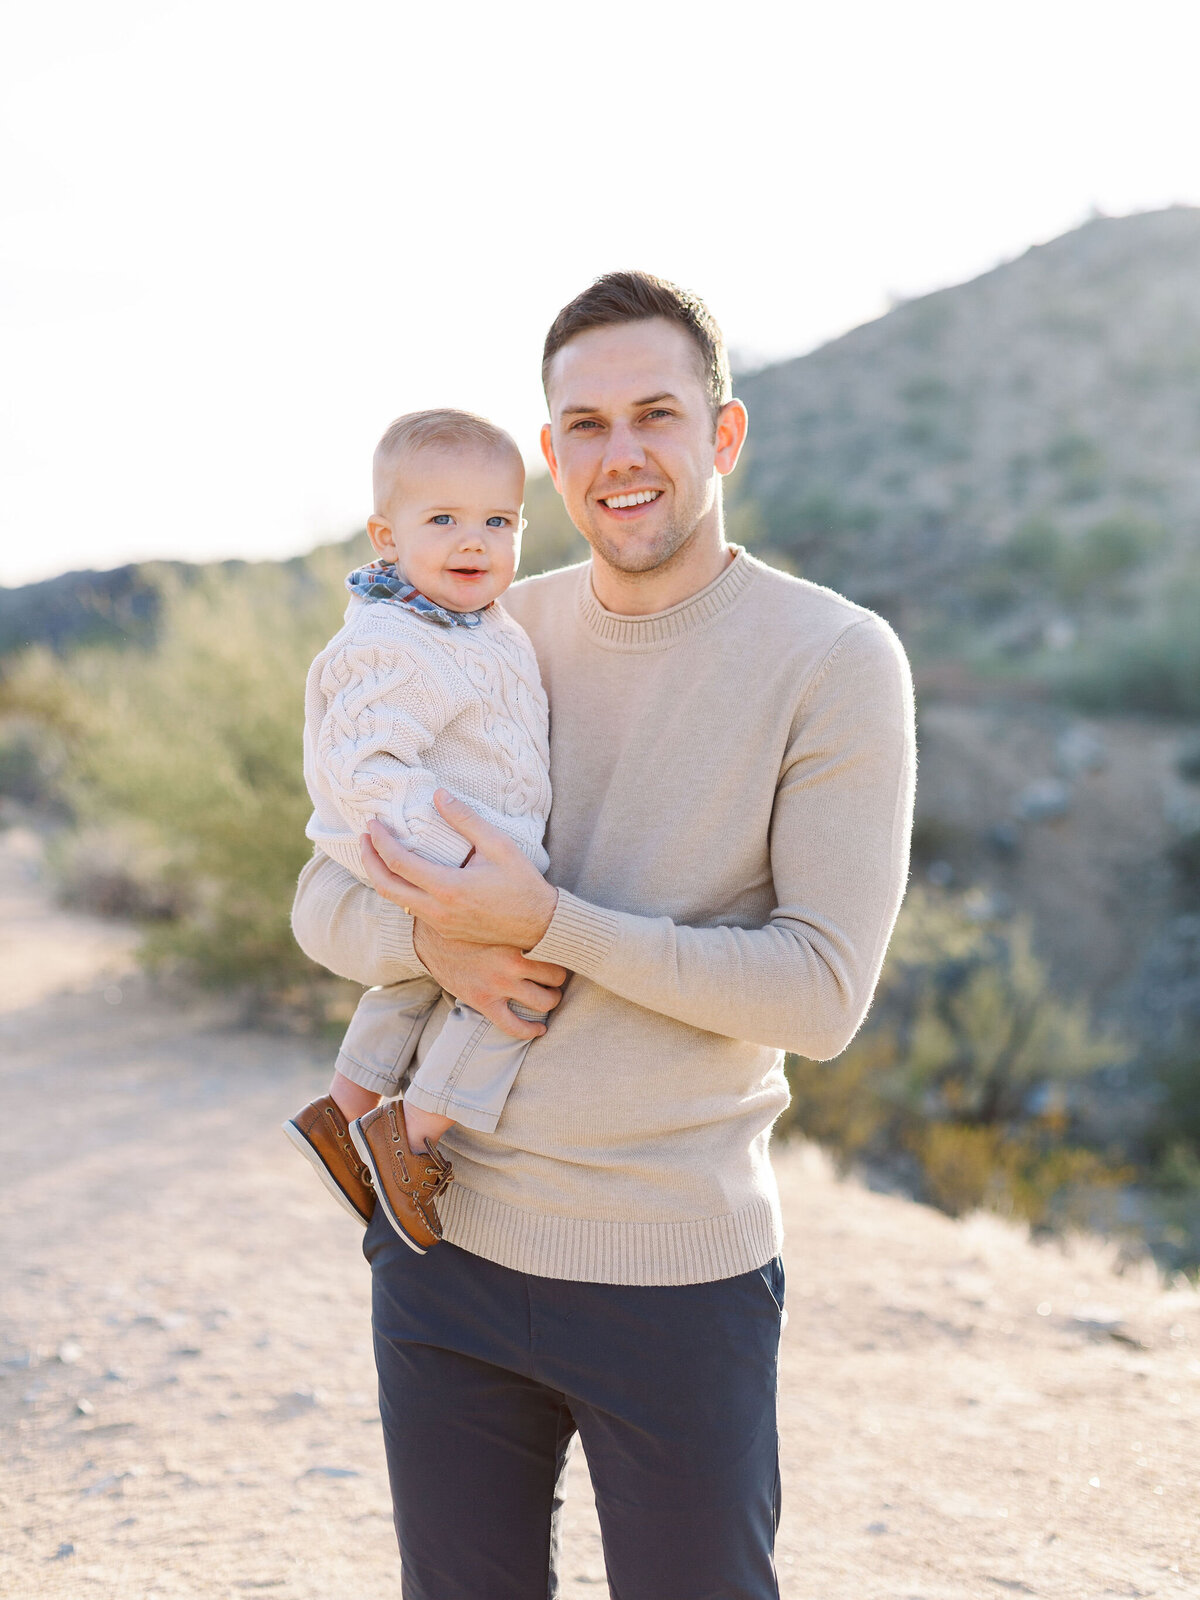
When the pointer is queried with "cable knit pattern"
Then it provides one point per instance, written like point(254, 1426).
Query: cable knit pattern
point(396, 708)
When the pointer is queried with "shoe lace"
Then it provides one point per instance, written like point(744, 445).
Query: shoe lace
point(437, 1178)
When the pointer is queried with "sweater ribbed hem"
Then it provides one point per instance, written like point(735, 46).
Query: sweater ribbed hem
point(662, 628)
point(635, 1253)
point(579, 936)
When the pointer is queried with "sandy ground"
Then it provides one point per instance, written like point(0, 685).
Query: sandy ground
point(187, 1389)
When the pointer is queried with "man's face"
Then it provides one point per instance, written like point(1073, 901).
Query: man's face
point(631, 443)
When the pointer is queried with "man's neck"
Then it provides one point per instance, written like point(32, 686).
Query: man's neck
point(641, 594)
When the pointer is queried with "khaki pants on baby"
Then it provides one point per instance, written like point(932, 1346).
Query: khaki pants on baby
point(467, 1071)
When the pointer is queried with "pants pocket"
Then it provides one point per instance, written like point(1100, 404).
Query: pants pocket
point(775, 1282)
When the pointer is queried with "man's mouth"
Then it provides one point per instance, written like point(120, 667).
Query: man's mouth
point(626, 502)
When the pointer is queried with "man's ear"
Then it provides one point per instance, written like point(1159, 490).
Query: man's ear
point(383, 542)
point(732, 423)
point(548, 452)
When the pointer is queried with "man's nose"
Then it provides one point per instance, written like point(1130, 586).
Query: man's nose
point(623, 451)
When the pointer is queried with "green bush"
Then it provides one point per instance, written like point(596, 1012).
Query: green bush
point(30, 764)
point(961, 1072)
point(1079, 464)
point(1184, 857)
point(188, 756)
point(1151, 667)
point(1105, 555)
point(1095, 565)
point(1035, 547)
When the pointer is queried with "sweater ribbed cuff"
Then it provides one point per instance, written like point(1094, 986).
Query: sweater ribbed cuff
point(396, 939)
point(579, 936)
point(437, 841)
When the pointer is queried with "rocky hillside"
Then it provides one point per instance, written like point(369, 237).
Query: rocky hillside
point(1018, 454)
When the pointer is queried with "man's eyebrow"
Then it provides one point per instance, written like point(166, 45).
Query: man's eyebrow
point(650, 400)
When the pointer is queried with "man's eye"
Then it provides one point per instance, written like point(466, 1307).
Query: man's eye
point(442, 519)
point(584, 422)
point(658, 413)
point(497, 522)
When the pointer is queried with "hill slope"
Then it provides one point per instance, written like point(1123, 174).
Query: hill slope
point(1025, 443)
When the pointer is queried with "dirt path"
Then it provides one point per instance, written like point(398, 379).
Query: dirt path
point(187, 1395)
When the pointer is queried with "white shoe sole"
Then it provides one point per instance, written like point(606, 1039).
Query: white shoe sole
point(381, 1200)
point(309, 1153)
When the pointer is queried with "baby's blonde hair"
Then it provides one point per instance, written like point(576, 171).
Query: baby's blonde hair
point(424, 430)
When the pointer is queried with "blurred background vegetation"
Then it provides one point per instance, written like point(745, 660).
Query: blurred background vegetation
point(1007, 471)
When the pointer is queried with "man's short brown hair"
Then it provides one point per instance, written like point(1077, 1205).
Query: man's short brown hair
point(636, 297)
point(432, 430)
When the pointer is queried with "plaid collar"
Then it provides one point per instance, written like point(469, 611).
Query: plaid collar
point(380, 580)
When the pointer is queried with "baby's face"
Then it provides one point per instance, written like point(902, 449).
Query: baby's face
point(452, 524)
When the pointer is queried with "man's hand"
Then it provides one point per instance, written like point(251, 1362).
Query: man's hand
point(498, 897)
point(487, 977)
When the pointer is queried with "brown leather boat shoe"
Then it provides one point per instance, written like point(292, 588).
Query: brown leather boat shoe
point(320, 1134)
point(407, 1181)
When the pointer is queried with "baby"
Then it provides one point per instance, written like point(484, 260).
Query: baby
point(429, 684)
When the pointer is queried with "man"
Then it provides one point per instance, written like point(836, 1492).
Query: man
point(732, 764)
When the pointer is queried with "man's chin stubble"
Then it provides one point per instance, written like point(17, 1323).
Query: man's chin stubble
point(667, 548)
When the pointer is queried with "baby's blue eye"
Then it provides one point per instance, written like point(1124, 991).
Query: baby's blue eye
point(497, 522)
point(442, 518)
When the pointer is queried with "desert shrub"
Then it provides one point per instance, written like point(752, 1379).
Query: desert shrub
point(1105, 554)
point(1036, 547)
point(30, 764)
point(1151, 667)
point(967, 1168)
point(186, 758)
point(1079, 463)
point(1184, 856)
point(1177, 1126)
point(926, 390)
point(1095, 565)
point(959, 1080)
point(121, 868)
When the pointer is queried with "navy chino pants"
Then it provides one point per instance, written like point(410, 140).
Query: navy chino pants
point(485, 1377)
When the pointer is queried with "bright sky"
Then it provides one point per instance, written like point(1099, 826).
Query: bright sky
point(238, 238)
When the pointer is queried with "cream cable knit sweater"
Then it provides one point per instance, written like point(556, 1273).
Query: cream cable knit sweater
point(396, 707)
point(733, 789)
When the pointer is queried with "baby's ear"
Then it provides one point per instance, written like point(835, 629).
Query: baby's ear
point(383, 542)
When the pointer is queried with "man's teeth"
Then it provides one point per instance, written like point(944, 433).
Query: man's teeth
point(618, 502)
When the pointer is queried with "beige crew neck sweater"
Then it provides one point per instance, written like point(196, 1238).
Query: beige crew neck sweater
point(733, 789)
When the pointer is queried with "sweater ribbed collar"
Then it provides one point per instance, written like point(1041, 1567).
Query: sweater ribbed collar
point(661, 628)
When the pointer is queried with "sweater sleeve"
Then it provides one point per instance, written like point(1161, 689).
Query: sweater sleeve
point(382, 713)
point(839, 846)
point(343, 925)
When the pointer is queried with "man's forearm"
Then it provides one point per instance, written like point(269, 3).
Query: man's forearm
point(343, 925)
point(793, 987)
